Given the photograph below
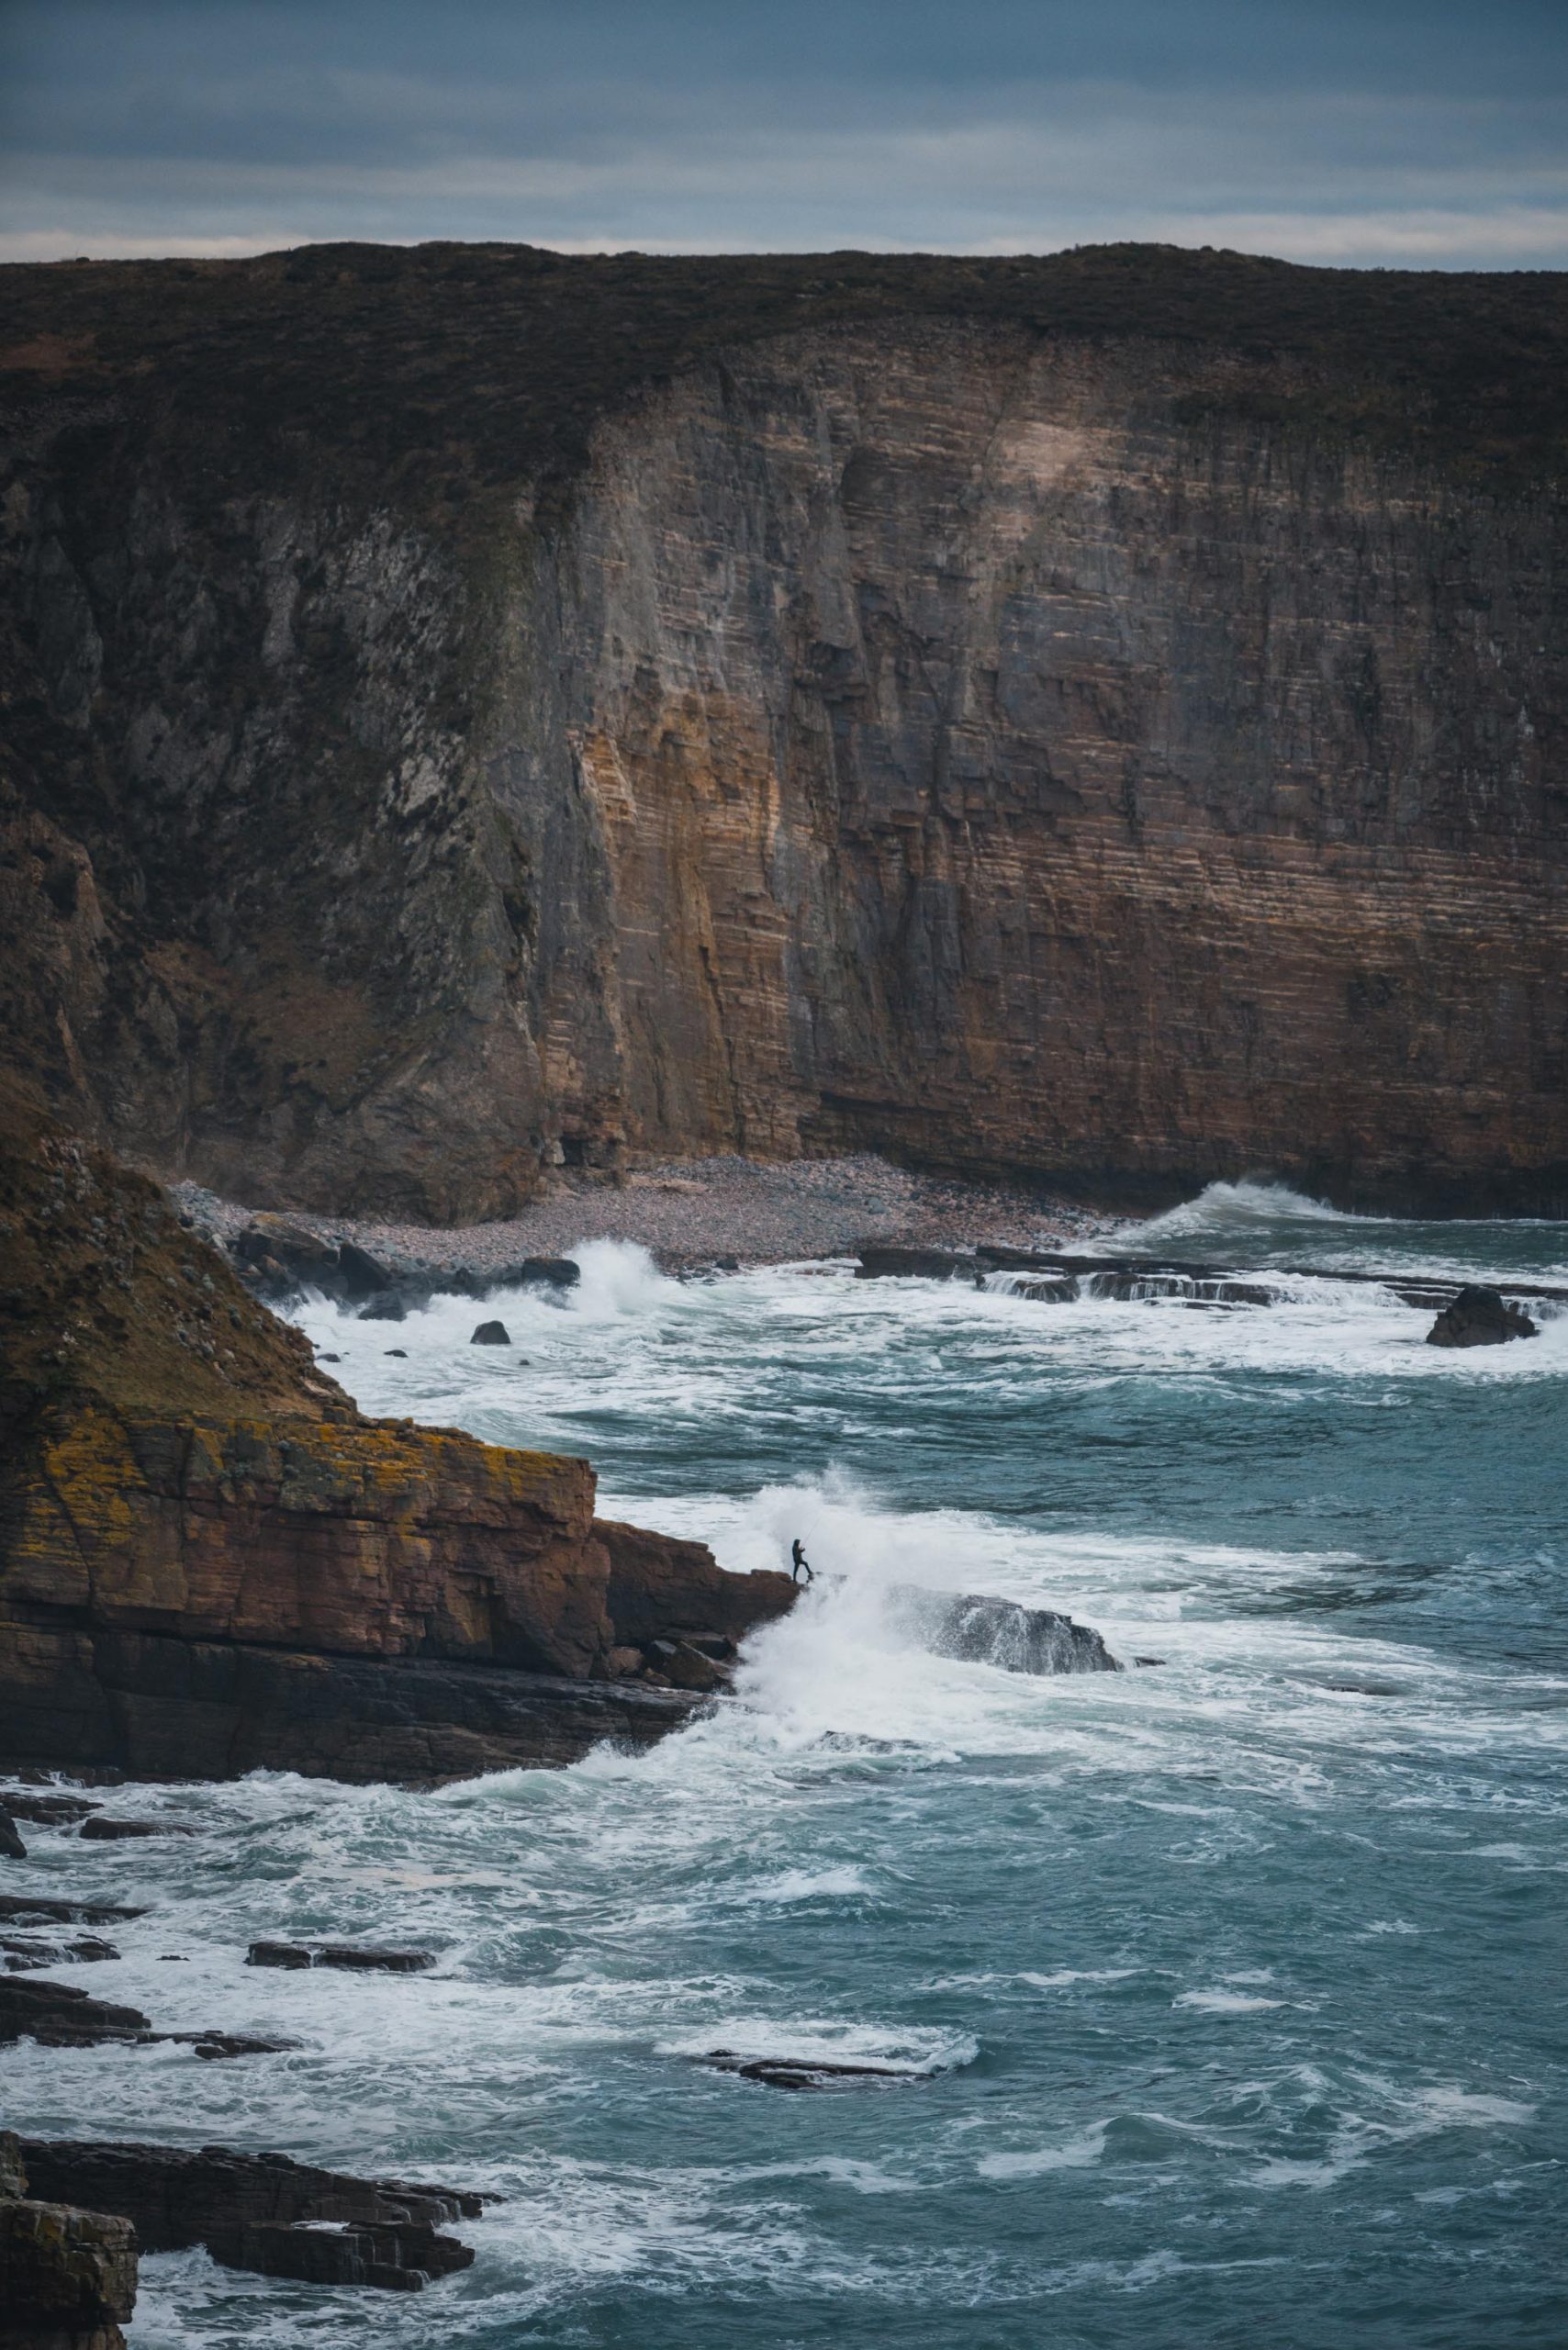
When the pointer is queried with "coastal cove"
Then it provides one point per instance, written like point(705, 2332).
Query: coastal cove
point(1227, 1980)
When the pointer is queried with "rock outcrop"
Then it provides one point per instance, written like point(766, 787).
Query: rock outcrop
point(982, 1630)
point(470, 709)
point(262, 2212)
point(1480, 1317)
point(67, 2276)
point(210, 1562)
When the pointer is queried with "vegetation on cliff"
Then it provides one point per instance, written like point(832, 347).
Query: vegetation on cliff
point(441, 369)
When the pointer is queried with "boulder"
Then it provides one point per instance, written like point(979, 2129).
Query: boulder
point(388, 1308)
point(684, 1666)
point(359, 1275)
point(11, 1845)
point(999, 1632)
point(292, 1248)
point(491, 1334)
point(1480, 1317)
point(544, 1272)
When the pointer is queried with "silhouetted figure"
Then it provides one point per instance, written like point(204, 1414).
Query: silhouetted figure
point(798, 1562)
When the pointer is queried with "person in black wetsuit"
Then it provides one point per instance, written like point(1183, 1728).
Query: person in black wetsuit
point(799, 1564)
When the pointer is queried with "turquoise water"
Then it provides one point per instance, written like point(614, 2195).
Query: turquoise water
point(1236, 1981)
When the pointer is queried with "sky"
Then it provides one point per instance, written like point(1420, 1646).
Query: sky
point(1403, 133)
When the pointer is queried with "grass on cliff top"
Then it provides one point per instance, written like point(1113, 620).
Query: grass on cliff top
point(441, 369)
point(104, 1292)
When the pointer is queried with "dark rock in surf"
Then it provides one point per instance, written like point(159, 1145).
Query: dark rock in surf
point(48, 1811)
point(264, 2211)
point(998, 1631)
point(879, 1264)
point(389, 1308)
point(811, 2072)
point(1480, 1317)
point(544, 1272)
point(58, 2014)
point(36, 1909)
point(214, 2046)
point(352, 1957)
point(491, 1334)
point(359, 1275)
point(101, 1831)
point(18, 1956)
point(11, 1845)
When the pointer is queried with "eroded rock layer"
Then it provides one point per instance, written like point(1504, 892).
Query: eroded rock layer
point(1102, 716)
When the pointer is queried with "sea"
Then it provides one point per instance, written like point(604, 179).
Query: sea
point(1230, 1987)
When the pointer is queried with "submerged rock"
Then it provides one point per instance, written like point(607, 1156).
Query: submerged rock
point(811, 2072)
point(346, 1955)
point(1480, 1317)
point(999, 1631)
point(101, 1830)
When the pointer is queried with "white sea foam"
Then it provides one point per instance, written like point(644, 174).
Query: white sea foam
point(1079, 2152)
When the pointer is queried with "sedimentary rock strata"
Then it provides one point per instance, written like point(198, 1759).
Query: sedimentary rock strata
point(209, 1562)
point(1102, 716)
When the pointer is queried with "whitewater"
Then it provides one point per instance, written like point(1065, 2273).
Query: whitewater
point(1231, 1983)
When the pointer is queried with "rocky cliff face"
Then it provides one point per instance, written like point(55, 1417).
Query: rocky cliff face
point(209, 1562)
point(1108, 725)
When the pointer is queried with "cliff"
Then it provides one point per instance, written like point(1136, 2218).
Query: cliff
point(209, 1562)
point(1101, 716)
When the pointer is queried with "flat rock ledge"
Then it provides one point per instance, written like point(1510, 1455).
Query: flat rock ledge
point(265, 2212)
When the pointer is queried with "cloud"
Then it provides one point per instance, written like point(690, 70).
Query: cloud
point(1394, 134)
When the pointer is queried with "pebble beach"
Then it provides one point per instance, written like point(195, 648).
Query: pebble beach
point(693, 1212)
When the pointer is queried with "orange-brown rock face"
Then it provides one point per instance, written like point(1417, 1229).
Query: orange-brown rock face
point(373, 1539)
point(210, 1562)
point(1103, 716)
point(995, 765)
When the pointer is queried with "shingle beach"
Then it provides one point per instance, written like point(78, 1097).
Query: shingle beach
point(695, 1212)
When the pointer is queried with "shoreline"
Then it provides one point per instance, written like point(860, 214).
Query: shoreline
point(693, 1212)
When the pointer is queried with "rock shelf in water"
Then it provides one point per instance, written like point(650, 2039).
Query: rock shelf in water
point(262, 2212)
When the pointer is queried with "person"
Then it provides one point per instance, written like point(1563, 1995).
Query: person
point(799, 1564)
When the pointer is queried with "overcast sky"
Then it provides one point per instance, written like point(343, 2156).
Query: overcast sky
point(1426, 133)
